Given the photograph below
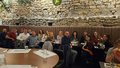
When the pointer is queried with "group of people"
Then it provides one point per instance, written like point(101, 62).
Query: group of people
point(14, 39)
point(36, 39)
point(45, 40)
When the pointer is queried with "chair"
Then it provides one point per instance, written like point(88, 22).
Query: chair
point(59, 52)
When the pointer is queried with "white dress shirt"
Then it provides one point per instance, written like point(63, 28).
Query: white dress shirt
point(23, 36)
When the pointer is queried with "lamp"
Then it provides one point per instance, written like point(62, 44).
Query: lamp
point(57, 2)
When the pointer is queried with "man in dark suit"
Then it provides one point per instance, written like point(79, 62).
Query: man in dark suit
point(69, 54)
point(2, 37)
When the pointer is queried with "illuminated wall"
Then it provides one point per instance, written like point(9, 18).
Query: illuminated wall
point(44, 9)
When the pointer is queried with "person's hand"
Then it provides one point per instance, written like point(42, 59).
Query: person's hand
point(12, 39)
point(91, 53)
point(70, 45)
point(36, 44)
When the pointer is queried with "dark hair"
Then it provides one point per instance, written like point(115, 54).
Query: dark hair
point(76, 33)
point(42, 31)
point(108, 36)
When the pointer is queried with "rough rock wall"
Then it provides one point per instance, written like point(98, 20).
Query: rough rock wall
point(69, 13)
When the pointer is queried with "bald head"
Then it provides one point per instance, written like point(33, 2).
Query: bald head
point(33, 33)
point(67, 33)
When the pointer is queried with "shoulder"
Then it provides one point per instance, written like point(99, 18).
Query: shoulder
point(28, 34)
point(47, 42)
point(110, 50)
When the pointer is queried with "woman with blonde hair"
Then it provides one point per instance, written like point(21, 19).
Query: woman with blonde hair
point(113, 54)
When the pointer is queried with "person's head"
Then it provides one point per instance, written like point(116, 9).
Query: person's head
point(33, 33)
point(85, 33)
point(29, 30)
point(105, 37)
point(87, 38)
point(60, 33)
point(25, 31)
point(67, 33)
point(41, 32)
point(21, 30)
point(4, 30)
point(95, 34)
point(51, 34)
point(75, 33)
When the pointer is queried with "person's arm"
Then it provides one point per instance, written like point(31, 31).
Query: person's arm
point(7, 36)
point(87, 50)
point(37, 41)
point(19, 37)
point(109, 56)
point(27, 41)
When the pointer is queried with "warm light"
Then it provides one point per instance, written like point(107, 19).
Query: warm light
point(57, 2)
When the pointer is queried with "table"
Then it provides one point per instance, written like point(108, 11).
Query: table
point(99, 54)
point(101, 64)
point(114, 65)
point(31, 59)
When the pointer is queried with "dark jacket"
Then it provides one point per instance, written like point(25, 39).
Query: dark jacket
point(66, 40)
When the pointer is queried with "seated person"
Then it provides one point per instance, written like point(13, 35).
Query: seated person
point(74, 39)
point(74, 36)
point(69, 53)
point(113, 54)
point(48, 45)
point(59, 36)
point(83, 37)
point(96, 38)
point(106, 42)
point(21, 38)
point(33, 40)
point(87, 51)
point(57, 41)
point(11, 38)
point(41, 37)
point(2, 37)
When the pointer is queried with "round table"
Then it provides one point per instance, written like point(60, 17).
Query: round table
point(30, 59)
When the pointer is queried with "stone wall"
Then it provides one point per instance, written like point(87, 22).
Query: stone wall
point(69, 13)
